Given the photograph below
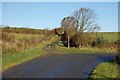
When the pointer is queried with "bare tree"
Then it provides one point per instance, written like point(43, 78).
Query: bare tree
point(68, 25)
point(85, 19)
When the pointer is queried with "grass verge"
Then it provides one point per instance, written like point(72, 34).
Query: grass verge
point(106, 70)
point(65, 50)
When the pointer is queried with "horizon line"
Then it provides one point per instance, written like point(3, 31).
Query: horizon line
point(49, 28)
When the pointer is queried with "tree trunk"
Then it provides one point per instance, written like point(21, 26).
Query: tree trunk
point(79, 46)
point(68, 41)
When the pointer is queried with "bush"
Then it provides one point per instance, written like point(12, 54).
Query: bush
point(8, 37)
point(9, 48)
point(12, 45)
point(105, 44)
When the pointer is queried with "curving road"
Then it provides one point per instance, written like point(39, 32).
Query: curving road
point(58, 66)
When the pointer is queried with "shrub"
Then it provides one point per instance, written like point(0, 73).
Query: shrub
point(8, 37)
point(102, 43)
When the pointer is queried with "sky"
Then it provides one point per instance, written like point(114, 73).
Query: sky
point(119, 16)
point(41, 15)
point(59, 0)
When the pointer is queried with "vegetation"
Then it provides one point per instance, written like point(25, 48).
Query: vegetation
point(64, 50)
point(69, 27)
point(22, 56)
point(17, 47)
point(77, 34)
point(81, 31)
point(86, 23)
point(23, 30)
point(107, 36)
point(15, 42)
point(80, 26)
point(100, 42)
point(106, 70)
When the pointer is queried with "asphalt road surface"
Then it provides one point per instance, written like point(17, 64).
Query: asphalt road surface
point(58, 66)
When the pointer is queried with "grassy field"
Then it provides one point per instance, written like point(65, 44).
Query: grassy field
point(110, 36)
point(28, 36)
point(106, 70)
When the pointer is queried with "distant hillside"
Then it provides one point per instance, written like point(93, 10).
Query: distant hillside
point(110, 36)
point(24, 30)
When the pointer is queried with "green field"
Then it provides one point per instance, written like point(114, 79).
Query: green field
point(110, 36)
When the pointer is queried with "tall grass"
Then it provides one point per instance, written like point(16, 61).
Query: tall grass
point(28, 36)
point(13, 42)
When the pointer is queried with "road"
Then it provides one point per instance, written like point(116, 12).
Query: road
point(58, 66)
